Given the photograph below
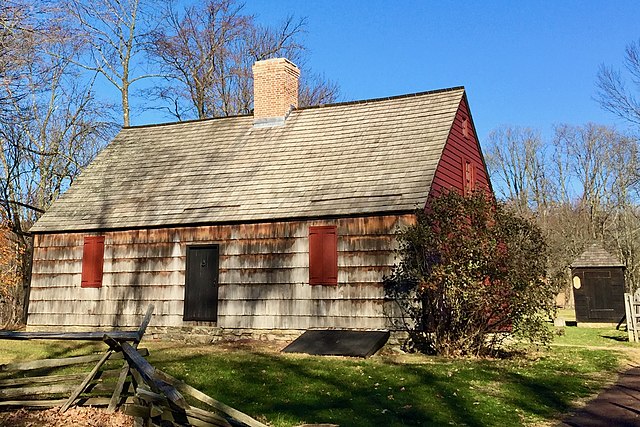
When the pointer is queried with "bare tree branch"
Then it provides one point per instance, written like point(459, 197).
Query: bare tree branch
point(111, 30)
point(23, 205)
point(50, 123)
point(612, 93)
point(207, 52)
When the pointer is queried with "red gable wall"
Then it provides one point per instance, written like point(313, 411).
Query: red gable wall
point(449, 173)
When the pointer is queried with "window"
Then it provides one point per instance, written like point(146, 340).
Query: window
point(465, 127)
point(468, 176)
point(323, 255)
point(92, 261)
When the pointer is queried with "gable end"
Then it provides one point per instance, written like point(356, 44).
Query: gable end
point(462, 147)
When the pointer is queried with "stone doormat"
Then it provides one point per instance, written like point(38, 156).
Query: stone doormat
point(327, 342)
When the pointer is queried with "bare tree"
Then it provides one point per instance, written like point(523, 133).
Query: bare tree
point(316, 89)
point(15, 37)
point(579, 185)
point(206, 53)
point(517, 160)
point(600, 166)
point(113, 31)
point(613, 94)
point(51, 128)
point(10, 278)
point(198, 49)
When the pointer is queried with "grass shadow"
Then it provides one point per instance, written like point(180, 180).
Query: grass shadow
point(615, 338)
point(289, 390)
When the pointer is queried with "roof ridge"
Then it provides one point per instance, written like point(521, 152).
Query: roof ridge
point(310, 107)
point(385, 98)
point(150, 125)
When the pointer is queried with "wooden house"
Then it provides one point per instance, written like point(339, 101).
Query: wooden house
point(280, 220)
point(598, 286)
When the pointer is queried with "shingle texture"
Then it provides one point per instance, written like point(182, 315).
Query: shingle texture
point(596, 256)
point(353, 158)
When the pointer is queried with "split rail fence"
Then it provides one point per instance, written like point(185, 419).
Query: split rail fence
point(632, 314)
point(119, 378)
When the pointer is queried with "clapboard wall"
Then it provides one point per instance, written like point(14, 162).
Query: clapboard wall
point(460, 146)
point(264, 276)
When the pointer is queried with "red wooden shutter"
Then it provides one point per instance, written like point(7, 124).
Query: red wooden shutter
point(323, 255)
point(468, 176)
point(92, 262)
point(315, 256)
point(472, 179)
point(330, 256)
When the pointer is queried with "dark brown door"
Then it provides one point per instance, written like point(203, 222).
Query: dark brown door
point(598, 291)
point(201, 290)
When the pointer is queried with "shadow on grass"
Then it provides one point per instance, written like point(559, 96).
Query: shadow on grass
point(289, 390)
point(618, 338)
point(53, 349)
point(49, 349)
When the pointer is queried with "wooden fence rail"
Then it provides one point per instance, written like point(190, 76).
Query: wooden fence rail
point(39, 382)
point(152, 396)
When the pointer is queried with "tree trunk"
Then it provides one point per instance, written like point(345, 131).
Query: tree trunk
point(125, 105)
point(27, 261)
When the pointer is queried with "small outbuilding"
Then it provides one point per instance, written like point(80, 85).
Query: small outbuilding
point(598, 286)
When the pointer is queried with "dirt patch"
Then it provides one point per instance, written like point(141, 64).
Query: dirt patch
point(90, 417)
point(253, 345)
point(249, 345)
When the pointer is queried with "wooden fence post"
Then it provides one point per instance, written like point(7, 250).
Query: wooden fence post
point(115, 397)
point(630, 312)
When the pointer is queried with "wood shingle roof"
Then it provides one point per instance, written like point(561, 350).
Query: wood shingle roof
point(353, 158)
point(596, 256)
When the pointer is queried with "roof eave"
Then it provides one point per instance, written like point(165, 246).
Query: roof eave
point(211, 223)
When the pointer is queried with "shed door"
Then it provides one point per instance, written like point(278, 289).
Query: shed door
point(201, 290)
point(598, 289)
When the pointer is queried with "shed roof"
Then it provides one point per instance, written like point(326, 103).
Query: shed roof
point(342, 159)
point(596, 256)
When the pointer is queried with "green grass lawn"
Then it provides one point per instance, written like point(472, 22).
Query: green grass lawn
point(391, 389)
point(594, 337)
point(18, 351)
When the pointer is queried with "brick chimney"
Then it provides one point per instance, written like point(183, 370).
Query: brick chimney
point(275, 91)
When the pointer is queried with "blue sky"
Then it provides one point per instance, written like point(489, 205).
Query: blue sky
point(527, 63)
point(523, 63)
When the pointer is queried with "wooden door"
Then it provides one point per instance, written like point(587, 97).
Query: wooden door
point(599, 293)
point(201, 289)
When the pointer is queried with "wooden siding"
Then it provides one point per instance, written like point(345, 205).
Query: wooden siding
point(264, 276)
point(449, 173)
point(600, 297)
